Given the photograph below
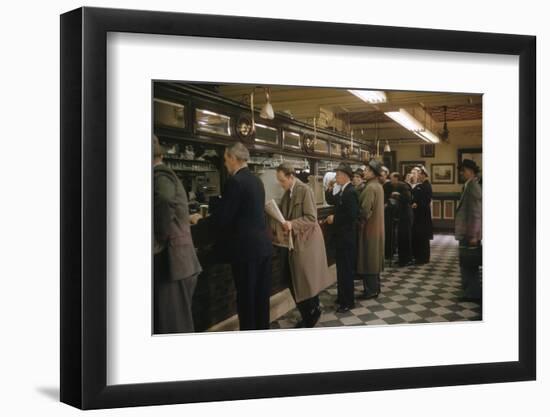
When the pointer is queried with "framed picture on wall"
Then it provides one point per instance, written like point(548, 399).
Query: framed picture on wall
point(390, 160)
point(443, 173)
point(406, 166)
point(427, 150)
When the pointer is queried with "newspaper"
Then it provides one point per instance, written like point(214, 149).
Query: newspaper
point(273, 210)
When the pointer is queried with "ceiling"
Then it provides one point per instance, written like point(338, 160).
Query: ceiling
point(347, 112)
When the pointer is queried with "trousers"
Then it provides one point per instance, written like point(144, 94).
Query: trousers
point(253, 284)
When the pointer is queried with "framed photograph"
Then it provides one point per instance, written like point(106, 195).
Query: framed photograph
point(443, 173)
point(390, 160)
point(406, 166)
point(163, 120)
point(427, 150)
point(475, 154)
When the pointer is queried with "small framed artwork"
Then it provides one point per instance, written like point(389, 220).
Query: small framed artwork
point(406, 166)
point(443, 173)
point(427, 150)
point(390, 159)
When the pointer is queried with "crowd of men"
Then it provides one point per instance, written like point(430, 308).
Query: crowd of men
point(377, 215)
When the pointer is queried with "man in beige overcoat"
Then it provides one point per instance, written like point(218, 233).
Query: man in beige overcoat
point(306, 265)
point(370, 242)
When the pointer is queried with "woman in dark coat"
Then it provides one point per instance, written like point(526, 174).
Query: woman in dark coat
point(402, 192)
point(422, 230)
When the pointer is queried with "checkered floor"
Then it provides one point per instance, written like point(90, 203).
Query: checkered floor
point(415, 294)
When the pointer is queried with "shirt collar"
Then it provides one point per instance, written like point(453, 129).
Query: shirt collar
point(345, 185)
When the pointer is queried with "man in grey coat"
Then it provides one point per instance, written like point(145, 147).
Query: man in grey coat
point(176, 266)
point(468, 232)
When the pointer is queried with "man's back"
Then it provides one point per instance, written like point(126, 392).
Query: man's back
point(241, 217)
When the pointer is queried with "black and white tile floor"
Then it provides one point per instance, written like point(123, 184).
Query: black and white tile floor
point(416, 294)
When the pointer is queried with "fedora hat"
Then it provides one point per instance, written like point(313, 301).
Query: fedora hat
point(346, 169)
point(375, 166)
point(470, 164)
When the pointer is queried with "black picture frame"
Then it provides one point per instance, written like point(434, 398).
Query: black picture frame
point(427, 150)
point(84, 200)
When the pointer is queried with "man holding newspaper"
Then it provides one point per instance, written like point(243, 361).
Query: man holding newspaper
point(297, 232)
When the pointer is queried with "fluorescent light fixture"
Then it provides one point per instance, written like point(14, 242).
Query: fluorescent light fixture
point(427, 136)
point(405, 119)
point(370, 96)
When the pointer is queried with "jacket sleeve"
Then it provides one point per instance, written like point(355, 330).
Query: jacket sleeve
point(405, 195)
point(473, 222)
point(367, 203)
point(331, 198)
point(164, 207)
point(422, 195)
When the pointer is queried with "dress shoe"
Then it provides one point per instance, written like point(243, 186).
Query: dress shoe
point(314, 318)
point(345, 309)
point(369, 295)
point(299, 325)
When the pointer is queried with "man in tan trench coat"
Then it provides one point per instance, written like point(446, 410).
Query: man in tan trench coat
point(370, 242)
point(306, 265)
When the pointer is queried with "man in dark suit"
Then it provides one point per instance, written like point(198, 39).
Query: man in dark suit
point(345, 217)
point(239, 218)
point(468, 232)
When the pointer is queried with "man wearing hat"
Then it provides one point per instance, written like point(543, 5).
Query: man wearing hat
point(176, 266)
point(370, 243)
point(468, 231)
point(358, 181)
point(344, 219)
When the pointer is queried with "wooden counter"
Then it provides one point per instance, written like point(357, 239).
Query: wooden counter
point(215, 297)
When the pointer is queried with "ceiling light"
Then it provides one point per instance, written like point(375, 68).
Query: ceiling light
point(427, 136)
point(404, 118)
point(387, 147)
point(267, 110)
point(370, 96)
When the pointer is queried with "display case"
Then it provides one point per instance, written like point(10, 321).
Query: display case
point(207, 121)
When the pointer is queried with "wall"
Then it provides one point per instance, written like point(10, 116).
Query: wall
point(445, 152)
point(29, 215)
